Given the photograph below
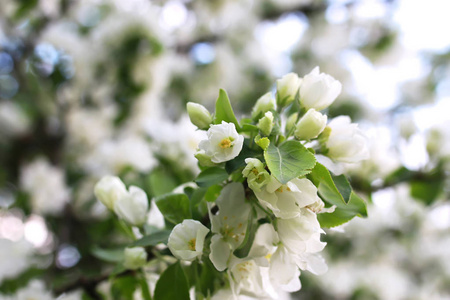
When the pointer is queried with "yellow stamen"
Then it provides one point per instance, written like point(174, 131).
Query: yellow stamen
point(225, 143)
point(191, 244)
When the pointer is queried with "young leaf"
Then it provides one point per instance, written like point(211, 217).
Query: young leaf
point(172, 284)
point(343, 186)
point(152, 239)
point(211, 176)
point(326, 187)
point(174, 207)
point(288, 161)
point(344, 212)
point(123, 287)
point(224, 111)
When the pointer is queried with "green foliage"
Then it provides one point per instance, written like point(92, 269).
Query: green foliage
point(426, 191)
point(288, 161)
point(344, 212)
point(211, 176)
point(109, 255)
point(123, 287)
point(172, 284)
point(174, 207)
point(336, 190)
point(152, 239)
point(224, 111)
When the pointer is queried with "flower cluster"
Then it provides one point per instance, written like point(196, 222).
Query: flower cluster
point(253, 218)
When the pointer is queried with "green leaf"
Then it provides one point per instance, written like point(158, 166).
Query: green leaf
point(326, 186)
point(335, 190)
point(123, 287)
point(174, 207)
point(172, 284)
point(211, 176)
point(152, 239)
point(344, 213)
point(145, 288)
point(288, 161)
point(224, 111)
point(161, 182)
point(109, 255)
point(244, 248)
point(208, 277)
point(427, 192)
point(343, 186)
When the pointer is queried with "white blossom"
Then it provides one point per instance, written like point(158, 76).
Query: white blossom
point(223, 143)
point(346, 143)
point(109, 189)
point(15, 257)
point(186, 240)
point(286, 200)
point(135, 257)
point(46, 185)
point(133, 206)
point(229, 224)
point(318, 90)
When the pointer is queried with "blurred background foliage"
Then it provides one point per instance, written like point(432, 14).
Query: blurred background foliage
point(96, 87)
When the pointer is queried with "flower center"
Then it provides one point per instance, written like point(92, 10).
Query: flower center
point(226, 143)
point(191, 244)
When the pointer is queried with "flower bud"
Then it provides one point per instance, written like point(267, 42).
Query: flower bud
point(199, 115)
point(257, 176)
point(135, 258)
point(287, 89)
point(265, 124)
point(310, 125)
point(318, 90)
point(133, 206)
point(290, 123)
point(203, 159)
point(265, 103)
point(109, 189)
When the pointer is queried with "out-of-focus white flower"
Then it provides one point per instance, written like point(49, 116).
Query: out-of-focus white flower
point(310, 125)
point(199, 115)
point(346, 143)
point(135, 258)
point(286, 200)
point(46, 186)
point(287, 89)
point(223, 143)
point(34, 290)
point(14, 257)
point(13, 121)
point(318, 90)
point(186, 240)
point(264, 104)
point(109, 189)
point(133, 206)
point(229, 224)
